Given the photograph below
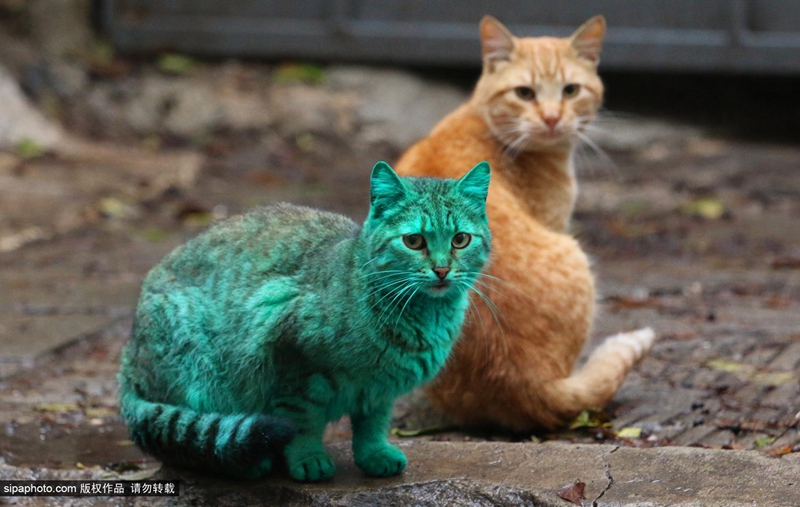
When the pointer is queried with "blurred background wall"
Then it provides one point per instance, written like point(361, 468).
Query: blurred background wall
point(708, 35)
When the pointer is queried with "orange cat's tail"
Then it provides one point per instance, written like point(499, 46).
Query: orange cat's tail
point(597, 382)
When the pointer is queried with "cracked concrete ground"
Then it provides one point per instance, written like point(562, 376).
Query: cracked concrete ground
point(692, 234)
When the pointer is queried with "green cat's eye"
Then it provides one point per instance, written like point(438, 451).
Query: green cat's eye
point(461, 240)
point(525, 92)
point(414, 241)
point(571, 90)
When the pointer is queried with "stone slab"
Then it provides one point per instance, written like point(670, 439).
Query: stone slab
point(506, 474)
point(26, 337)
point(691, 477)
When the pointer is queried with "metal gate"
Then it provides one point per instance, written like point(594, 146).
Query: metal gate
point(707, 35)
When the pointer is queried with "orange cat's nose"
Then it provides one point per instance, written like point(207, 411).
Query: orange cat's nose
point(441, 272)
point(551, 121)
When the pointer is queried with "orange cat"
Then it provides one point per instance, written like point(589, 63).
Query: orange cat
point(513, 367)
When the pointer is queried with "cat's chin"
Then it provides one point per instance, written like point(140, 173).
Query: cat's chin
point(544, 140)
point(440, 290)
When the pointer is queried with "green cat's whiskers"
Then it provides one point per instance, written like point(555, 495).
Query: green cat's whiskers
point(418, 286)
point(384, 287)
point(369, 262)
point(394, 303)
point(377, 275)
point(474, 310)
point(492, 307)
point(505, 284)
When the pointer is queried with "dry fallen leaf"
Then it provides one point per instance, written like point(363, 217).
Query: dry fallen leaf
point(728, 366)
point(708, 207)
point(625, 302)
point(421, 431)
point(786, 263)
point(573, 493)
point(781, 451)
point(630, 432)
point(101, 412)
point(140, 475)
point(773, 378)
point(750, 373)
point(55, 407)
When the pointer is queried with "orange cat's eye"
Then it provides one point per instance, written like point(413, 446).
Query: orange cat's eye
point(525, 92)
point(414, 241)
point(571, 90)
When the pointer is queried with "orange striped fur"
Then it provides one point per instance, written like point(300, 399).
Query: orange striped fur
point(514, 367)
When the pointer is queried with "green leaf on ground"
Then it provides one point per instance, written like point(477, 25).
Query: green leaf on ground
point(28, 149)
point(635, 207)
point(102, 52)
point(153, 235)
point(171, 63)
point(290, 73)
point(591, 418)
point(762, 442)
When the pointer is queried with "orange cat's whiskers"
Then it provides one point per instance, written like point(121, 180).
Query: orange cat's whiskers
point(608, 162)
point(517, 146)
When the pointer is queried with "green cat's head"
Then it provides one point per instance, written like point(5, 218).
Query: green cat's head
point(427, 236)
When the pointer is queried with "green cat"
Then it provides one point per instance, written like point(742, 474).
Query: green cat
point(251, 337)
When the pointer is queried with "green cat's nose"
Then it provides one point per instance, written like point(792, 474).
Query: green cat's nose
point(441, 272)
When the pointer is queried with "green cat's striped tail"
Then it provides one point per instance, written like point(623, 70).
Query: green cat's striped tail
point(239, 445)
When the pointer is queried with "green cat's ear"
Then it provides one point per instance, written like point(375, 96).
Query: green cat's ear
point(475, 183)
point(386, 187)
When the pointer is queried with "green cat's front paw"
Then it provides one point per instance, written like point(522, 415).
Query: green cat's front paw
point(385, 461)
point(311, 468)
point(259, 470)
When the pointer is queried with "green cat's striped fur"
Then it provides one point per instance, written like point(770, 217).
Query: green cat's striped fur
point(250, 338)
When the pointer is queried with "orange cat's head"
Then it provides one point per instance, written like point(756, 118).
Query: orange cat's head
point(539, 93)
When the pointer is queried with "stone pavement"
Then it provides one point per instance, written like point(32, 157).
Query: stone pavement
point(693, 235)
point(497, 474)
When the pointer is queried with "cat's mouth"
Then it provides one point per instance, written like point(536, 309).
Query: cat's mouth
point(549, 135)
point(440, 287)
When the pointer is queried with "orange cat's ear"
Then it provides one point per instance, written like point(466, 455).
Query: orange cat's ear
point(497, 43)
point(588, 39)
